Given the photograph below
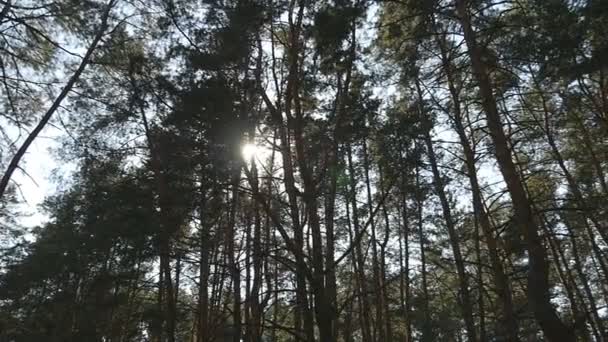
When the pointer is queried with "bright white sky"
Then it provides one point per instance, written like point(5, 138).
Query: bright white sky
point(42, 167)
point(39, 164)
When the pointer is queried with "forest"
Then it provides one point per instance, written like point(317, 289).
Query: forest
point(304, 170)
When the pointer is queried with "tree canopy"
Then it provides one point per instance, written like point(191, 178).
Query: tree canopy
point(331, 170)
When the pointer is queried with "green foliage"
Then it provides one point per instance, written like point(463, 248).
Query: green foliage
point(342, 98)
point(77, 276)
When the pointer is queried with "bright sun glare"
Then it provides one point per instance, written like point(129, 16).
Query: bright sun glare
point(250, 151)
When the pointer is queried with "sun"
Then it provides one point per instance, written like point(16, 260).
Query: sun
point(250, 151)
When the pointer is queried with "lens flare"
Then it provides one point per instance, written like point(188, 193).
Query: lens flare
point(250, 151)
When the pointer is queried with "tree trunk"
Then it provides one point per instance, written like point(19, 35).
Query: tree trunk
point(14, 163)
point(383, 255)
point(465, 296)
point(379, 299)
point(168, 226)
point(203, 278)
point(483, 336)
point(427, 333)
point(233, 263)
point(255, 324)
point(538, 275)
point(508, 324)
point(404, 262)
point(359, 260)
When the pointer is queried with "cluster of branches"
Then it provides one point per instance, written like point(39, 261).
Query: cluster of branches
point(419, 170)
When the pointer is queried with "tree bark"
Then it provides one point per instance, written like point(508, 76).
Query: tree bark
point(14, 163)
point(233, 263)
point(465, 296)
point(427, 333)
point(203, 278)
point(379, 305)
point(538, 275)
point(509, 320)
point(363, 292)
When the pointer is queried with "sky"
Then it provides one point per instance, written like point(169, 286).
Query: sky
point(37, 184)
point(41, 166)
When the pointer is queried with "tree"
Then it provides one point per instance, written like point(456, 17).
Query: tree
point(309, 171)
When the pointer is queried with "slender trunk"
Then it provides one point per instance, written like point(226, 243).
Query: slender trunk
point(599, 255)
point(322, 307)
point(544, 125)
point(169, 297)
point(347, 329)
point(248, 299)
point(14, 163)
point(404, 256)
point(275, 311)
point(427, 333)
point(564, 273)
point(592, 313)
point(168, 224)
point(538, 275)
point(599, 264)
point(333, 166)
point(404, 248)
point(379, 300)
point(157, 329)
point(203, 278)
point(480, 300)
point(302, 316)
point(363, 292)
point(178, 272)
point(574, 187)
point(218, 260)
point(233, 262)
point(593, 157)
point(465, 296)
point(302, 319)
point(464, 291)
point(330, 278)
point(255, 325)
point(508, 324)
point(383, 256)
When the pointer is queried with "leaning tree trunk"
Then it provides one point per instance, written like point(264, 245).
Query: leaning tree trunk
point(465, 296)
point(538, 274)
point(508, 324)
point(14, 163)
point(359, 259)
